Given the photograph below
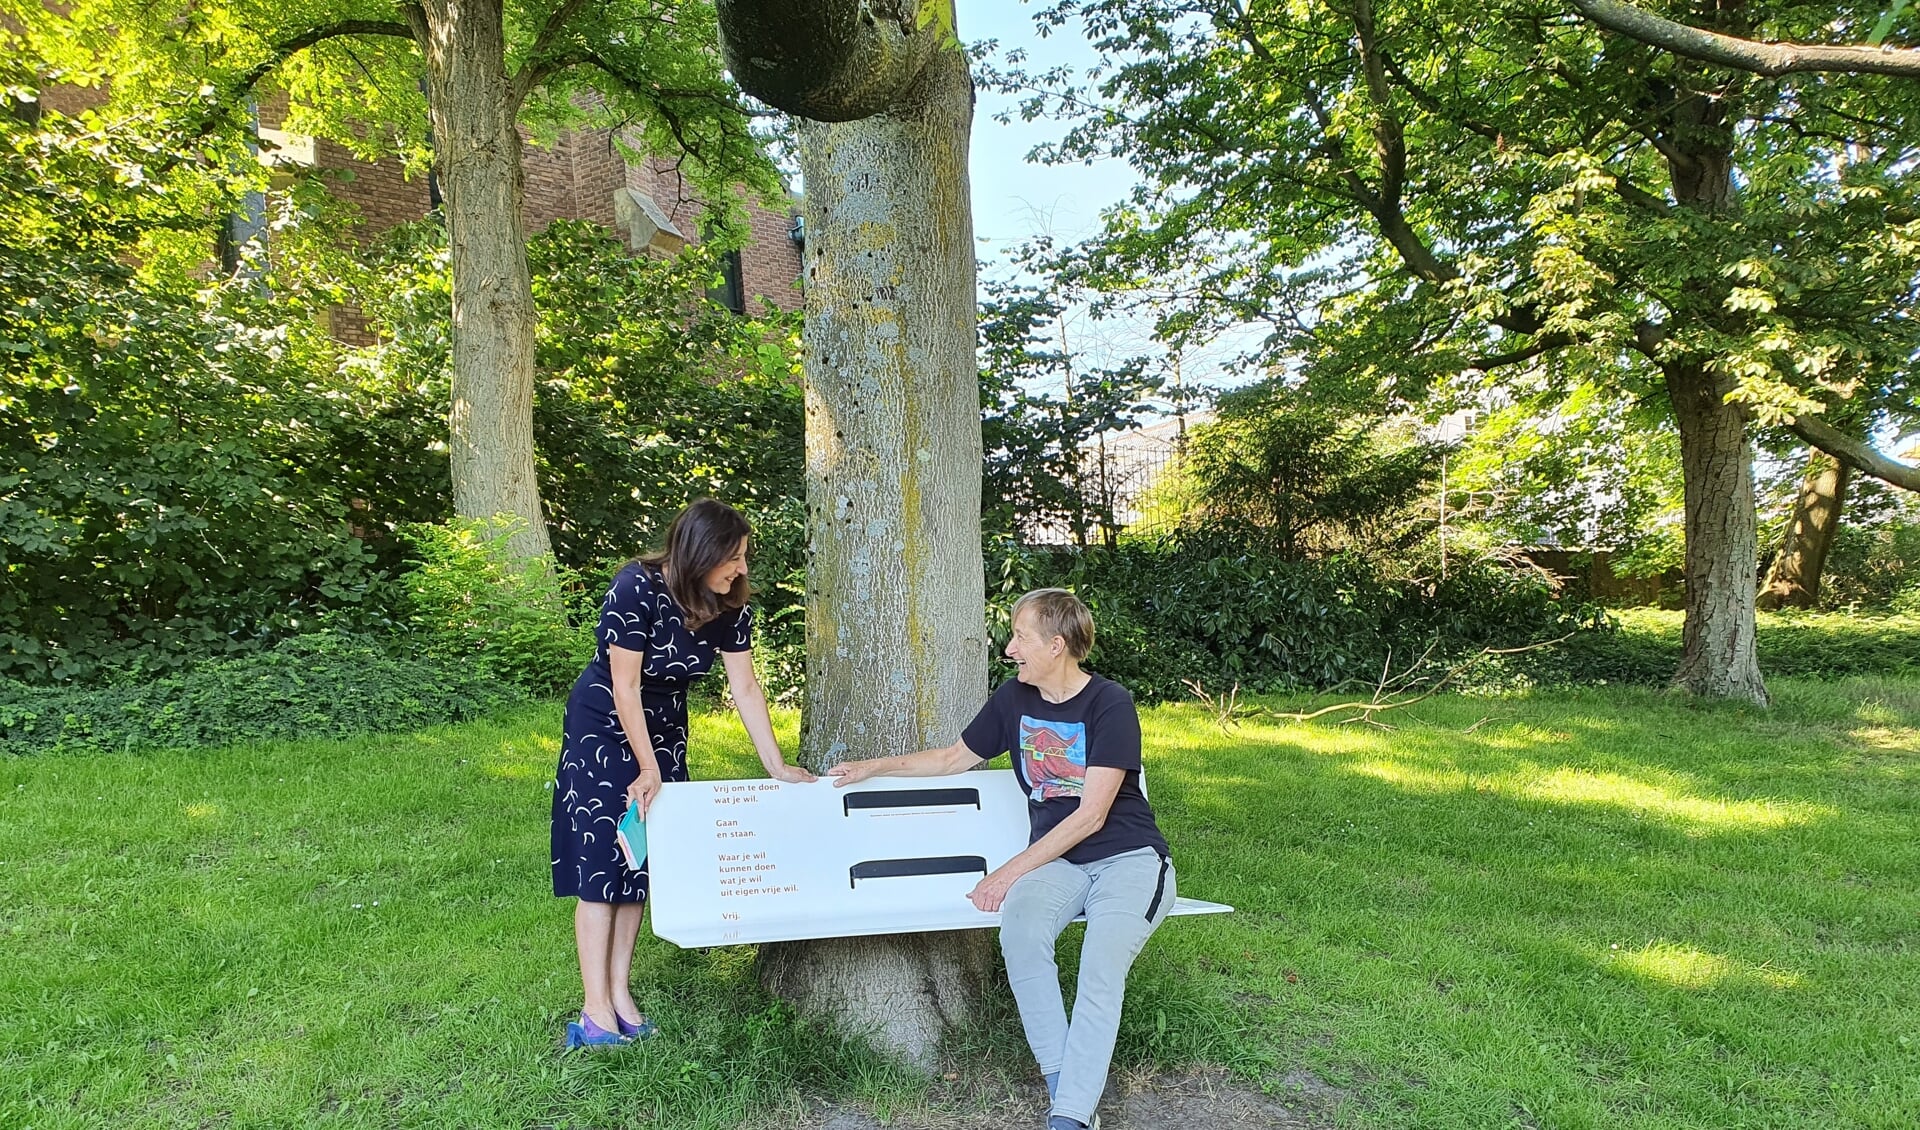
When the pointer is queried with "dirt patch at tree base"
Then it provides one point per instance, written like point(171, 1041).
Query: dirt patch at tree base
point(1206, 1098)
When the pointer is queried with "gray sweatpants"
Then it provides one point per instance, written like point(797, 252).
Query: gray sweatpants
point(1116, 894)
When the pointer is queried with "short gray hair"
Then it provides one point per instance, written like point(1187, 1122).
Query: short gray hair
point(1057, 612)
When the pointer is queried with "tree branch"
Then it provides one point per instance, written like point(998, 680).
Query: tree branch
point(1546, 343)
point(831, 60)
point(210, 117)
point(1390, 148)
point(1769, 59)
point(655, 94)
point(533, 72)
point(1387, 694)
point(287, 48)
point(1856, 453)
point(1647, 338)
point(1627, 190)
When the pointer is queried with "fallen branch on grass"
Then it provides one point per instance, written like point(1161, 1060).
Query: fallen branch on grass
point(1391, 692)
point(1225, 707)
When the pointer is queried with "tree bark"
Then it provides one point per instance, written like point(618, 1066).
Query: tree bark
point(896, 623)
point(826, 60)
point(477, 156)
point(1793, 581)
point(896, 626)
point(1769, 59)
point(1717, 656)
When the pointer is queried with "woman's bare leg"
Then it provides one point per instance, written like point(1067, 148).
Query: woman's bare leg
point(626, 930)
point(593, 936)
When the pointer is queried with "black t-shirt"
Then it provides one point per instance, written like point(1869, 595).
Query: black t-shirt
point(1053, 743)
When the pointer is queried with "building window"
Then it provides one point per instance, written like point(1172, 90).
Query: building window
point(731, 291)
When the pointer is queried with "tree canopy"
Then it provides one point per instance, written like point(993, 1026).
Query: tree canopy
point(449, 83)
point(1431, 199)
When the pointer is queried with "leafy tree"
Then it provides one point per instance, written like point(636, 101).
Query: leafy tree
point(1580, 466)
point(1410, 193)
point(1037, 443)
point(191, 466)
point(1309, 476)
point(1792, 579)
point(163, 442)
point(1874, 561)
point(356, 71)
point(649, 395)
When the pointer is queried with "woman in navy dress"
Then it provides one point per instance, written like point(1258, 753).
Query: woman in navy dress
point(665, 618)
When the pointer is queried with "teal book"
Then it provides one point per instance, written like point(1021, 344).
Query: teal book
point(632, 834)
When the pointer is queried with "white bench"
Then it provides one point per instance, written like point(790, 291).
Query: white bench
point(736, 862)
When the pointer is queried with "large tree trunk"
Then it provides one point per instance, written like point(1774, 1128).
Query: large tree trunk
point(1794, 579)
point(1717, 656)
point(477, 156)
point(896, 624)
point(896, 629)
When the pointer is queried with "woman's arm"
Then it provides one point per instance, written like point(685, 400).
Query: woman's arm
point(1096, 800)
point(626, 666)
point(751, 701)
point(956, 758)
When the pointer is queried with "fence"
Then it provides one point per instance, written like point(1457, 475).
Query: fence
point(1123, 482)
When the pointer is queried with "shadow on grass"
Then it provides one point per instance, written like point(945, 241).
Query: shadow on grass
point(1592, 907)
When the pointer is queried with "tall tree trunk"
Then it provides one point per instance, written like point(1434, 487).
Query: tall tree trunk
point(1717, 656)
point(477, 157)
point(896, 623)
point(1793, 581)
point(896, 629)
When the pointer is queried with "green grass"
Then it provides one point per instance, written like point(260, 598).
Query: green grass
point(1805, 645)
point(1591, 909)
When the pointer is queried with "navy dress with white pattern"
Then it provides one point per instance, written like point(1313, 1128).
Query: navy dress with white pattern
point(596, 763)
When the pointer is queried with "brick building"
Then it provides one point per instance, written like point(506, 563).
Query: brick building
point(581, 176)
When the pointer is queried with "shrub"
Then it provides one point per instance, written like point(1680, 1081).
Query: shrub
point(470, 602)
point(1223, 608)
point(779, 572)
point(649, 395)
point(319, 685)
point(193, 468)
point(1875, 562)
point(165, 441)
point(1314, 479)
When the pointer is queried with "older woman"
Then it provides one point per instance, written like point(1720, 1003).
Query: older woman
point(1093, 845)
point(665, 618)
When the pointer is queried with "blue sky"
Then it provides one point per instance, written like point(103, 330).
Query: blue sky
point(1012, 199)
point(1016, 200)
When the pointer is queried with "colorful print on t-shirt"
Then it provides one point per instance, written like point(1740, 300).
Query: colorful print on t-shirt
point(1054, 757)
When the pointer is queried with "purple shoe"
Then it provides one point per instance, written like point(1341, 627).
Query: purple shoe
point(643, 1030)
point(586, 1034)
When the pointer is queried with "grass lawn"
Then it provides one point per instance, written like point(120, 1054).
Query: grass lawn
point(1795, 643)
point(1594, 909)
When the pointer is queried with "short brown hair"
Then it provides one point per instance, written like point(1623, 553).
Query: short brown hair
point(1057, 612)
